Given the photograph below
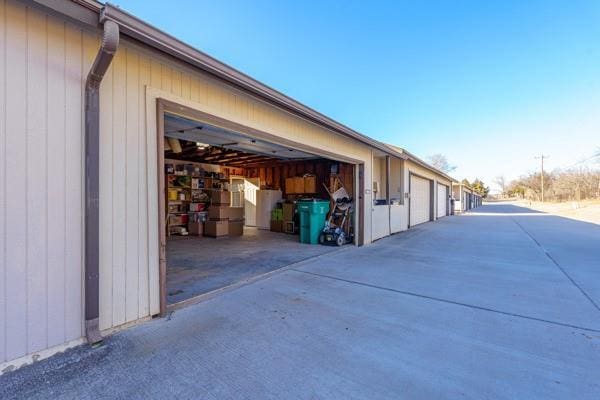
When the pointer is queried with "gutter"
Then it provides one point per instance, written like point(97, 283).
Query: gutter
point(108, 48)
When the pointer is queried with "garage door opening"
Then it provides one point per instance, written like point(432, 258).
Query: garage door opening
point(232, 204)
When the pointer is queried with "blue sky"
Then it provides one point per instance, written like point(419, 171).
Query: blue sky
point(490, 84)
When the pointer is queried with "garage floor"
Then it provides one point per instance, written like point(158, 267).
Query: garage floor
point(198, 265)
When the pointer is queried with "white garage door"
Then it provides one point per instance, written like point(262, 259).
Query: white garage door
point(420, 200)
point(442, 200)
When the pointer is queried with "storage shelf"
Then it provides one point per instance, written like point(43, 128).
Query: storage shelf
point(191, 176)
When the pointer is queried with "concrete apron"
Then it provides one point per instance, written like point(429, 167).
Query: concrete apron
point(225, 289)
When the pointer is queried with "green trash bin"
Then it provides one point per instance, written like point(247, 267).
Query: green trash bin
point(312, 219)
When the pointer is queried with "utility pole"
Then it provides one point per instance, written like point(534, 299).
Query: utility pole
point(541, 157)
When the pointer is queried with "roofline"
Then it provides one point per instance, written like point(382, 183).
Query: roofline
point(141, 31)
point(465, 185)
point(409, 156)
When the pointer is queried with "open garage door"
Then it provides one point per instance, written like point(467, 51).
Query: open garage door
point(420, 200)
point(220, 183)
point(442, 200)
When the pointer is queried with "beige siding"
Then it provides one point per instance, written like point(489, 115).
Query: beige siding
point(41, 173)
point(41, 181)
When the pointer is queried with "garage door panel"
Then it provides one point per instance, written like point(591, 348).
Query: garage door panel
point(442, 200)
point(420, 200)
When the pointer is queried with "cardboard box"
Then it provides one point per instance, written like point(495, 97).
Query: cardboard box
point(196, 228)
point(218, 212)
point(298, 184)
point(276, 226)
point(289, 186)
point(216, 228)
point(236, 213)
point(310, 184)
point(236, 227)
point(220, 197)
point(288, 211)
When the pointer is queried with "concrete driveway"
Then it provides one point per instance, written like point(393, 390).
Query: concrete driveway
point(502, 302)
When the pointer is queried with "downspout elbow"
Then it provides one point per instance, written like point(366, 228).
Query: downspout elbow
point(108, 48)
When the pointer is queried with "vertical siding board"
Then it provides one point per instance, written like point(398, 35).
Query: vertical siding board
point(176, 82)
point(186, 86)
point(165, 78)
point(37, 254)
point(152, 195)
point(131, 186)
point(152, 190)
point(143, 300)
point(194, 90)
point(155, 74)
point(202, 91)
point(119, 212)
point(106, 194)
point(212, 99)
point(16, 162)
point(55, 196)
point(3, 210)
point(74, 178)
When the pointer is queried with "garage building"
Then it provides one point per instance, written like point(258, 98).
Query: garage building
point(465, 198)
point(134, 161)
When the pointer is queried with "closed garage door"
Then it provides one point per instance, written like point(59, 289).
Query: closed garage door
point(420, 200)
point(442, 200)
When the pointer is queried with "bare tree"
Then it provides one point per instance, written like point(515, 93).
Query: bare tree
point(440, 162)
point(500, 180)
point(577, 183)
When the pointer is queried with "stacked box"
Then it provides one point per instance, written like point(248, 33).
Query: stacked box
point(277, 214)
point(310, 184)
point(218, 213)
point(276, 226)
point(220, 197)
point(288, 211)
point(196, 228)
point(298, 184)
point(216, 229)
point(289, 185)
point(236, 227)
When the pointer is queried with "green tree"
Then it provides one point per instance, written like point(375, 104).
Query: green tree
point(479, 187)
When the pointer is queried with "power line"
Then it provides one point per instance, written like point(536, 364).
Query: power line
point(584, 160)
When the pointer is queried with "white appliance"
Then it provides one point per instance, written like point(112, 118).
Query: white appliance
point(265, 202)
point(251, 186)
